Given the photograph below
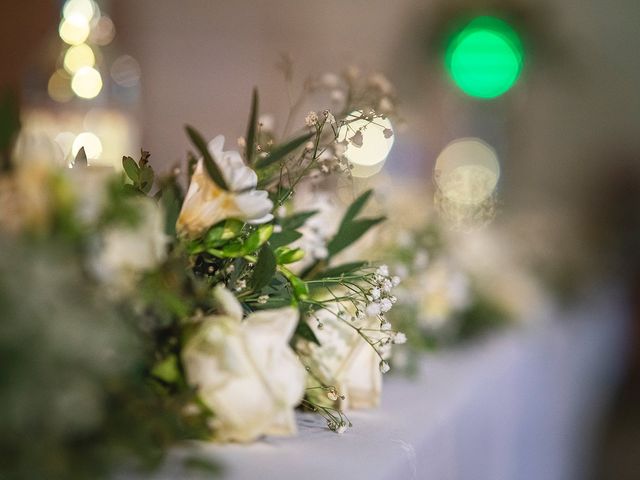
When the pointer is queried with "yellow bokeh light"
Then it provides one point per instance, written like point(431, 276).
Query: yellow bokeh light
point(83, 8)
point(467, 171)
point(87, 82)
point(74, 29)
point(91, 143)
point(369, 143)
point(59, 86)
point(79, 56)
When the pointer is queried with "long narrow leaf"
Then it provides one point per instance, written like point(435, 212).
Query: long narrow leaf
point(281, 151)
point(356, 207)
point(351, 232)
point(338, 270)
point(252, 127)
point(210, 164)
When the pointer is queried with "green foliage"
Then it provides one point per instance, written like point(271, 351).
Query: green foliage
point(281, 151)
point(210, 165)
point(285, 237)
point(351, 228)
point(264, 270)
point(252, 128)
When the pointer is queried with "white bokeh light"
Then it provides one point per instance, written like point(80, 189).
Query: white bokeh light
point(83, 8)
point(91, 143)
point(467, 171)
point(87, 82)
point(74, 29)
point(79, 56)
point(377, 140)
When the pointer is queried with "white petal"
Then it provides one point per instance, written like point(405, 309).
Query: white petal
point(228, 303)
point(216, 146)
point(255, 204)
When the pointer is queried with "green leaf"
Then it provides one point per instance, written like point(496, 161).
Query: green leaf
point(209, 162)
point(285, 255)
point(131, 169)
point(252, 127)
point(285, 237)
point(167, 370)
point(300, 288)
point(340, 270)
point(81, 158)
point(146, 178)
point(296, 220)
point(223, 231)
point(356, 207)
point(351, 232)
point(281, 151)
point(264, 270)
point(170, 200)
point(304, 330)
point(258, 238)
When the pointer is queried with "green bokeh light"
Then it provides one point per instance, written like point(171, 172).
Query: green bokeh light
point(485, 58)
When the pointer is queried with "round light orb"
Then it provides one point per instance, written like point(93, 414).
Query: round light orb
point(485, 58)
point(467, 171)
point(79, 56)
point(103, 32)
point(74, 29)
point(87, 82)
point(83, 8)
point(368, 143)
point(125, 71)
point(91, 143)
point(59, 86)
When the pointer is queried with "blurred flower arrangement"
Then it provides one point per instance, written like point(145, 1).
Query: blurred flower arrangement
point(136, 314)
point(457, 284)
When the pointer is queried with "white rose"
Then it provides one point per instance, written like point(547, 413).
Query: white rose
point(245, 370)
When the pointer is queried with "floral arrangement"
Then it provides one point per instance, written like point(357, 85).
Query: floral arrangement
point(156, 313)
point(457, 284)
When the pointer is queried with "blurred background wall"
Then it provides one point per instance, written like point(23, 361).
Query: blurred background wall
point(573, 118)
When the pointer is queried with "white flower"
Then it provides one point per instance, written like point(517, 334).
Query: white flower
point(206, 204)
point(245, 371)
point(311, 119)
point(384, 366)
point(385, 305)
point(127, 251)
point(383, 270)
point(373, 309)
point(399, 338)
point(375, 293)
point(344, 359)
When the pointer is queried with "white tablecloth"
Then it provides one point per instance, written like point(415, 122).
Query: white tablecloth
point(522, 404)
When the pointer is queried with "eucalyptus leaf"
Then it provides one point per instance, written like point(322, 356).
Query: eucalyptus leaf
point(281, 151)
point(210, 165)
point(131, 169)
point(146, 178)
